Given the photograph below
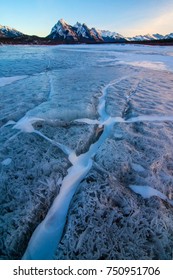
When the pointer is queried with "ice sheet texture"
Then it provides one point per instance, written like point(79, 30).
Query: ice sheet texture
point(57, 111)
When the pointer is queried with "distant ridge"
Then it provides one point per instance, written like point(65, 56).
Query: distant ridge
point(8, 32)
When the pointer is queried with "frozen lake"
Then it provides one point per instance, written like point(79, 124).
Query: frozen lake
point(48, 82)
point(95, 122)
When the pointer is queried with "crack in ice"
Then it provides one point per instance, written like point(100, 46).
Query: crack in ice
point(147, 192)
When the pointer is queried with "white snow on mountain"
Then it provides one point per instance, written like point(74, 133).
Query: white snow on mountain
point(63, 29)
point(158, 36)
point(84, 31)
point(6, 31)
point(107, 33)
point(142, 37)
point(150, 37)
point(96, 32)
point(169, 36)
point(81, 30)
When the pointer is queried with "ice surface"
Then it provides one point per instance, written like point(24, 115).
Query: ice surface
point(111, 104)
point(8, 80)
point(137, 167)
point(48, 234)
point(149, 64)
point(6, 161)
point(151, 56)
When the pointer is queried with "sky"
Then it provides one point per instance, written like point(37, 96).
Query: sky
point(127, 17)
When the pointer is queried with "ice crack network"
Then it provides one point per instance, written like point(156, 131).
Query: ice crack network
point(47, 235)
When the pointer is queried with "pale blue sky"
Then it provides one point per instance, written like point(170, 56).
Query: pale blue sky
point(128, 17)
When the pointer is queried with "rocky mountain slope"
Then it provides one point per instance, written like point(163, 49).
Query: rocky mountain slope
point(62, 31)
point(8, 32)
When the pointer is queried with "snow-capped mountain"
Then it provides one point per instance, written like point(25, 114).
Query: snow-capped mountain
point(109, 36)
point(77, 33)
point(63, 31)
point(82, 33)
point(158, 36)
point(148, 37)
point(7, 32)
point(169, 36)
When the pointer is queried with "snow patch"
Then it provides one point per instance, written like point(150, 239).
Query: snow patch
point(150, 119)
point(147, 192)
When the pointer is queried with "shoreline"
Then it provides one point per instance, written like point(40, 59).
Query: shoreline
point(47, 42)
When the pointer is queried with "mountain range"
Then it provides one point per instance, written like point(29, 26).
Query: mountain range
point(62, 32)
point(82, 33)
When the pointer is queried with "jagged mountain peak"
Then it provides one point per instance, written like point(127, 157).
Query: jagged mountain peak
point(147, 37)
point(62, 21)
point(80, 32)
point(8, 32)
point(78, 24)
point(110, 34)
point(62, 30)
point(169, 36)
